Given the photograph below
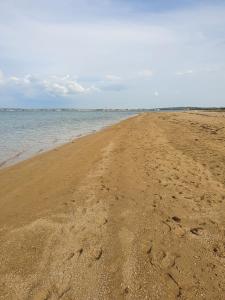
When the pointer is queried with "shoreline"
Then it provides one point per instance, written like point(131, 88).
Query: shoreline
point(133, 211)
point(15, 159)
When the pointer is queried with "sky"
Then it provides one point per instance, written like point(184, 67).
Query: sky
point(112, 53)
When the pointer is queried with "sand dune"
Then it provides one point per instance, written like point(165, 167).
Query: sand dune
point(135, 211)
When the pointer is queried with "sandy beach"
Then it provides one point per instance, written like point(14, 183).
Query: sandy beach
point(134, 211)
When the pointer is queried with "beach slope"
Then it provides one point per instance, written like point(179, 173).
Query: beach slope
point(135, 211)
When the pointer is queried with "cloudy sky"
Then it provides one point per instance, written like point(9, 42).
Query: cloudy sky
point(112, 53)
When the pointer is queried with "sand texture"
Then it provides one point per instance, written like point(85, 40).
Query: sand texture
point(135, 211)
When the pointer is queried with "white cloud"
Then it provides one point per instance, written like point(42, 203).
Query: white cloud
point(147, 73)
point(185, 72)
point(156, 93)
point(112, 77)
point(63, 86)
point(26, 80)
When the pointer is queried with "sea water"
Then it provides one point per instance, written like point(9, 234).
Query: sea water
point(24, 133)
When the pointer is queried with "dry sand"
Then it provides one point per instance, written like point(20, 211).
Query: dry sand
point(136, 211)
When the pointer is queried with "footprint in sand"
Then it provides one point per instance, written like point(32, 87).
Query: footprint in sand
point(126, 291)
point(168, 261)
point(71, 255)
point(97, 253)
point(178, 230)
point(196, 230)
point(105, 221)
point(160, 258)
point(80, 251)
point(219, 250)
point(176, 219)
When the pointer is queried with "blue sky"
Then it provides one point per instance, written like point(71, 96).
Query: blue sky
point(112, 53)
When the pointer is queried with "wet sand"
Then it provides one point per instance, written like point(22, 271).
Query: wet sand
point(135, 211)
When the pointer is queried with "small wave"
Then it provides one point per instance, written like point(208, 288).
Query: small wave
point(12, 158)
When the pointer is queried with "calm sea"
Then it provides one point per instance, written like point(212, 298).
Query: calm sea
point(26, 133)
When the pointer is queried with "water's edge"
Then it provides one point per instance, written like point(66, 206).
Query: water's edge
point(23, 155)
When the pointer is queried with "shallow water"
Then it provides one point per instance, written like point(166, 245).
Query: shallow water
point(26, 133)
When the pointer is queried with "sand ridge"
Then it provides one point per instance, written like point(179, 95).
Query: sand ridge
point(135, 211)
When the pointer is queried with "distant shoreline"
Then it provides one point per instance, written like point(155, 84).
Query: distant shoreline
point(185, 108)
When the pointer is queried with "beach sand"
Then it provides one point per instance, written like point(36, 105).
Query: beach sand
point(135, 211)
